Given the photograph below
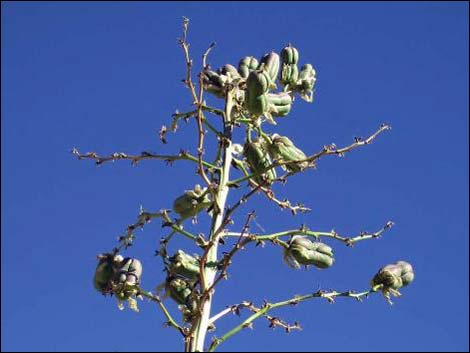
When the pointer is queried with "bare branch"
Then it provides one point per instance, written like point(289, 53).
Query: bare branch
point(349, 241)
point(183, 155)
point(259, 312)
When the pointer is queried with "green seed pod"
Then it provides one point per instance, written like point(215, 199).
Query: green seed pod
point(128, 271)
point(289, 55)
point(306, 82)
point(258, 160)
point(289, 74)
point(282, 148)
point(192, 202)
point(229, 71)
point(213, 82)
point(246, 65)
point(393, 277)
point(257, 83)
point(279, 104)
point(257, 106)
point(302, 251)
point(271, 65)
point(104, 273)
point(407, 273)
point(184, 265)
point(178, 289)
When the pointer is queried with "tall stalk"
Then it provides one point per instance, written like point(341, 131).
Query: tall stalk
point(250, 100)
point(218, 217)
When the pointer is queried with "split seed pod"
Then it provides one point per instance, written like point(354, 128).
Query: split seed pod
point(192, 202)
point(393, 277)
point(258, 160)
point(129, 271)
point(213, 82)
point(282, 148)
point(104, 273)
point(184, 265)
point(289, 71)
point(306, 82)
point(302, 251)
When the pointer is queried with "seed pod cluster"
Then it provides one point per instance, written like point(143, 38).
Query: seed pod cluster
point(258, 159)
point(114, 272)
point(192, 202)
point(302, 251)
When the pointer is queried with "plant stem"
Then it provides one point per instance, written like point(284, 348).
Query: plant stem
point(211, 252)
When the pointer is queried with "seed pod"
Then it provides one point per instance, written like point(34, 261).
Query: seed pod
point(306, 82)
point(192, 202)
point(213, 82)
point(302, 251)
point(289, 55)
point(393, 277)
point(128, 271)
point(246, 65)
point(282, 148)
point(279, 104)
point(229, 71)
point(258, 160)
point(257, 83)
point(178, 289)
point(271, 65)
point(407, 273)
point(257, 106)
point(289, 74)
point(104, 273)
point(184, 265)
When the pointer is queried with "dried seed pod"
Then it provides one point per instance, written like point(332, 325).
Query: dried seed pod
point(246, 65)
point(306, 82)
point(192, 202)
point(302, 251)
point(283, 148)
point(279, 104)
point(270, 64)
point(184, 265)
point(104, 273)
point(258, 160)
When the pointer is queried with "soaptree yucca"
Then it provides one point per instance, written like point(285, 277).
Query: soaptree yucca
point(255, 93)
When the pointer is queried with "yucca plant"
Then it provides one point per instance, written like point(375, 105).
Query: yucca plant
point(255, 93)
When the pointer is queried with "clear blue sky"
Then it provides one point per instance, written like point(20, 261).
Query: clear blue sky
point(104, 77)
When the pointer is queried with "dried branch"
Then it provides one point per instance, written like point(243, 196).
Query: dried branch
point(183, 155)
point(259, 312)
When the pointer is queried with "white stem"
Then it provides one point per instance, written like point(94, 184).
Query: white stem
point(221, 198)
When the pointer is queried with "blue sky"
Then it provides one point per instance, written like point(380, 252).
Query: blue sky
point(104, 77)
